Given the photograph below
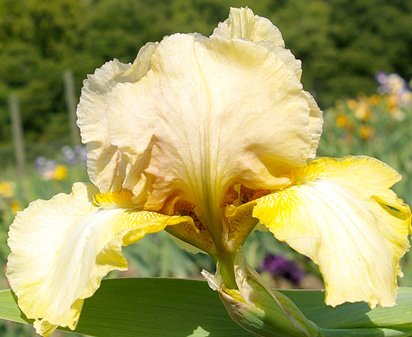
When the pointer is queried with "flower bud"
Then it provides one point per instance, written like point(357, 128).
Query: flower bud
point(258, 309)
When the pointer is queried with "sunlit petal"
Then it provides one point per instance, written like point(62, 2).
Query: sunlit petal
point(240, 223)
point(107, 166)
point(173, 134)
point(192, 118)
point(343, 215)
point(63, 247)
point(243, 24)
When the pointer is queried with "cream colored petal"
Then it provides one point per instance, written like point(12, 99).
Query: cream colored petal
point(63, 247)
point(342, 214)
point(315, 123)
point(218, 112)
point(202, 112)
point(243, 24)
point(93, 124)
point(106, 165)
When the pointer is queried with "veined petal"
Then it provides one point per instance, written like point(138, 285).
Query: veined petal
point(243, 24)
point(192, 118)
point(315, 123)
point(240, 223)
point(343, 215)
point(107, 166)
point(63, 247)
point(173, 132)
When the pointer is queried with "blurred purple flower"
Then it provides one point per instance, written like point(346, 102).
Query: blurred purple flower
point(381, 77)
point(278, 265)
point(73, 156)
point(43, 165)
point(81, 153)
point(391, 84)
point(69, 155)
point(40, 163)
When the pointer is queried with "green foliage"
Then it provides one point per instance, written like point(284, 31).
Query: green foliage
point(167, 307)
point(38, 40)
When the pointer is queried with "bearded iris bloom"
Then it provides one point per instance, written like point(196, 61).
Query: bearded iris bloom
point(206, 137)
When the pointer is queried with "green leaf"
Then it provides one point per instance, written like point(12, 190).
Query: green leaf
point(177, 308)
point(350, 315)
point(356, 319)
point(147, 307)
point(9, 309)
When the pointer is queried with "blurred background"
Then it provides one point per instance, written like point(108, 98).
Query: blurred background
point(357, 62)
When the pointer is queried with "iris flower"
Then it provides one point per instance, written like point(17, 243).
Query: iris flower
point(207, 137)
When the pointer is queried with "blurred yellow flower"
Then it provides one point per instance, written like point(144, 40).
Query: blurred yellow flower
point(392, 102)
point(363, 111)
point(374, 99)
point(366, 132)
point(393, 107)
point(60, 172)
point(15, 206)
point(7, 189)
point(407, 98)
point(342, 121)
point(352, 104)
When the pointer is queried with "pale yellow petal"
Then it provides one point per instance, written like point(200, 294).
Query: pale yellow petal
point(342, 214)
point(107, 166)
point(315, 123)
point(93, 123)
point(63, 247)
point(171, 133)
point(243, 24)
point(203, 101)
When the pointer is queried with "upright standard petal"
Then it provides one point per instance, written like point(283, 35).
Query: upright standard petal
point(243, 24)
point(107, 166)
point(192, 117)
point(63, 247)
point(174, 130)
point(343, 215)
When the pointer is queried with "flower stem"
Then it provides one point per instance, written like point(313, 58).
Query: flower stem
point(226, 266)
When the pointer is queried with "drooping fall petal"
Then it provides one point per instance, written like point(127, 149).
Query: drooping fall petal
point(343, 215)
point(63, 247)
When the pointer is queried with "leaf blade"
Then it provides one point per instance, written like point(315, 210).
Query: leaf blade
point(159, 307)
point(147, 307)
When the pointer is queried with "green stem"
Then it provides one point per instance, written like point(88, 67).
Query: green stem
point(226, 266)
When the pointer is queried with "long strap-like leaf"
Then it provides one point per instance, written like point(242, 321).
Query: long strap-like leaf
point(158, 307)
